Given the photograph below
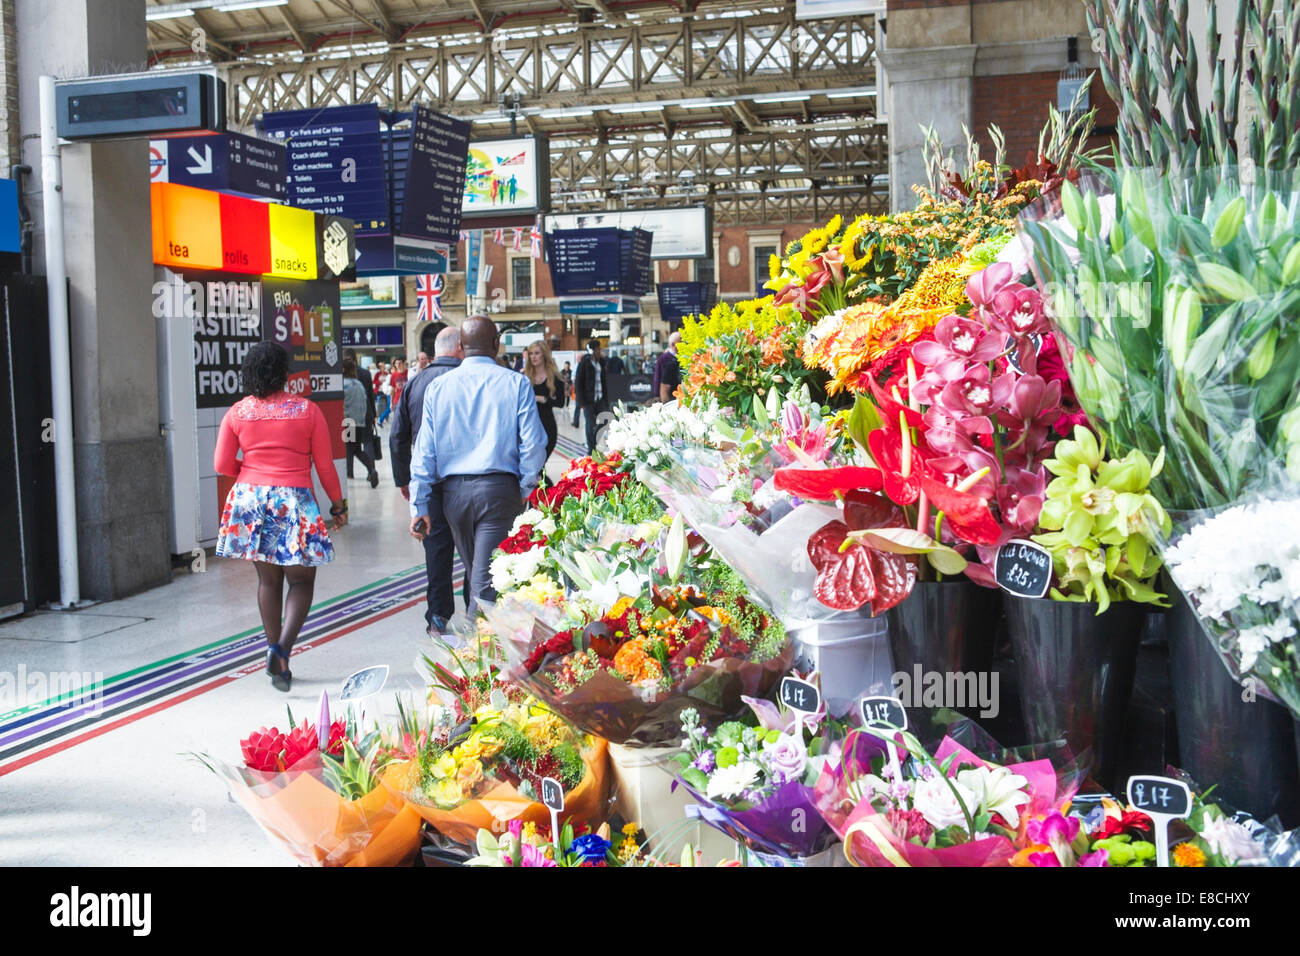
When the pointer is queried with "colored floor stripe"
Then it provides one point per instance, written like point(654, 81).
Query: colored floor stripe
point(225, 660)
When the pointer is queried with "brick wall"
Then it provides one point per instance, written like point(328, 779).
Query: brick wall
point(1018, 106)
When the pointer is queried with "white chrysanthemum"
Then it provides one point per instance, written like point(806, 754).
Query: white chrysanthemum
point(727, 783)
point(531, 516)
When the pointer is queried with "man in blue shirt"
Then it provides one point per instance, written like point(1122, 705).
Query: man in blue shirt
point(482, 441)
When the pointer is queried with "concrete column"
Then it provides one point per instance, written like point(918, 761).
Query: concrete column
point(930, 86)
point(122, 490)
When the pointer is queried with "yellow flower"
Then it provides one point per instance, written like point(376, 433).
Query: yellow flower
point(447, 793)
point(773, 266)
point(1188, 854)
point(630, 829)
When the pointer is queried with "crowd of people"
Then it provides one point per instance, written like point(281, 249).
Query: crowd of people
point(469, 441)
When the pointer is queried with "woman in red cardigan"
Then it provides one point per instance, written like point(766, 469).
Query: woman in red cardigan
point(271, 517)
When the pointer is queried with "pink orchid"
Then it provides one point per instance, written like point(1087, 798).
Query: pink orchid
point(1057, 831)
point(976, 392)
point(1018, 310)
point(957, 343)
point(1020, 498)
point(1033, 406)
point(772, 717)
point(530, 855)
point(987, 283)
point(1095, 858)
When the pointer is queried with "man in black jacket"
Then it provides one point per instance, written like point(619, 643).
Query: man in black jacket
point(439, 549)
point(368, 383)
point(591, 389)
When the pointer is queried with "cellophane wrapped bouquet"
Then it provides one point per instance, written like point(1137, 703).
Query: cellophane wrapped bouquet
point(949, 808)
point(475, 758)
point(756, 783)
point(1176, 296)
point(315, 790)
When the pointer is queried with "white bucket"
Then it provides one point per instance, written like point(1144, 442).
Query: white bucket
point(850, 652)
point(644, 795)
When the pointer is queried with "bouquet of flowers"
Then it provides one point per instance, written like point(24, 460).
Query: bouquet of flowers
point(627, 673)
point(486, 771)
point(1240, 569)
point(531, 845)
point(315, 790)
point(957, 809)
point(755, 784)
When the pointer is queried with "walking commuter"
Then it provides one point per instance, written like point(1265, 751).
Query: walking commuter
point(482, 439)
point(356, 436)
point(369, 436)
point(591, 389)
point(549, 390)
point(668, 373)
point(439, 549)
point(271, 517)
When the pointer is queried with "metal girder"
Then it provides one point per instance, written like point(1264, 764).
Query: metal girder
point(616, 63)
point(797, 169)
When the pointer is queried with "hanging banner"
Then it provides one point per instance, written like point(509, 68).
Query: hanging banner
point(473, 256)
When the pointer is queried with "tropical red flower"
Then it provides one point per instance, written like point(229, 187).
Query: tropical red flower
point(853, 574)
point(966, 514)
point(826, 484)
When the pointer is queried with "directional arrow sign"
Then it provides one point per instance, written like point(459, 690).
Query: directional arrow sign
point(202, 163)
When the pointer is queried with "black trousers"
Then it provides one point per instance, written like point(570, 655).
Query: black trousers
point(439, 556)
point(357, 449)
point(589, 414)
point(480, 510)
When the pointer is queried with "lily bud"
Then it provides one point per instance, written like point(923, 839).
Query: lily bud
point(1261, 356)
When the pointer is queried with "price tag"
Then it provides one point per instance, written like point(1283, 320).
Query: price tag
point(553, 798)
point(1023, 568)
point(800, 695)
point(886, 713)
point(1163, 800)
point(365, 682)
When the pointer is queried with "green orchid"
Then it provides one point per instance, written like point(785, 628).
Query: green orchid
point(1099, 521)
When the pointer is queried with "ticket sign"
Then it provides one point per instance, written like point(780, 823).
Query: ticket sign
point(245, 235)
point(186, 227)
point(293, 243)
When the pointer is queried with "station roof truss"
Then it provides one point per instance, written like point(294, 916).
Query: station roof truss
point(647, 102)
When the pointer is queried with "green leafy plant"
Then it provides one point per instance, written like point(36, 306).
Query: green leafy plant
point(1101, 520)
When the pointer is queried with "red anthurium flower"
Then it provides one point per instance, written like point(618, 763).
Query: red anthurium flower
point(890, 407)
point(844, 578)
point(826, 484)
point(965, 513)
point(886, 445)
point(863, 510)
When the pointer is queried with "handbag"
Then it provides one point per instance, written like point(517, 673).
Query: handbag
point(376, 445)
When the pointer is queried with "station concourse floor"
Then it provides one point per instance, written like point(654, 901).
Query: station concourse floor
point(183, 672)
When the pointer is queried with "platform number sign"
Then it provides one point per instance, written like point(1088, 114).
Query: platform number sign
point(800, 695)
point(1162, 799)
point(886, 714)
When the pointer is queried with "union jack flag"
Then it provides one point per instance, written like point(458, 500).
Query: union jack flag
point(499, 237)
point(535, 242)
point(428, 298)
point(519, 239)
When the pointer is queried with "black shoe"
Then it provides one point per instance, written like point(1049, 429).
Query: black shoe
point(281, 680)
point(374, 479)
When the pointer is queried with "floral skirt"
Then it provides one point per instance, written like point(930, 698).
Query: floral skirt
point(273, 524)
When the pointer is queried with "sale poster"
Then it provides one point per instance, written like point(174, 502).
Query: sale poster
point(302, 316)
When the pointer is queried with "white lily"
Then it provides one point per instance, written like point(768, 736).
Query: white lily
point(999, 791)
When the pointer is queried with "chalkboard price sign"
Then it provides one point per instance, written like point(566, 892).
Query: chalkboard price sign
point(1160, 795)
point(1023, 568)
point(552, 794)
point(800, 695)
point(883, 713)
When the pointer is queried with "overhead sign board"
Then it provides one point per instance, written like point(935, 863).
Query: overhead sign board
point(196, 229)
point(230, 162)
point(133, 105)
point(435, 177)
point(685, 233)
point(335, 163)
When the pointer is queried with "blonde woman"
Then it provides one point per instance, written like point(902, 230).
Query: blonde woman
point(548, 387)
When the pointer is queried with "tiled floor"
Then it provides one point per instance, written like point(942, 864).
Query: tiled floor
point(130, 794)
